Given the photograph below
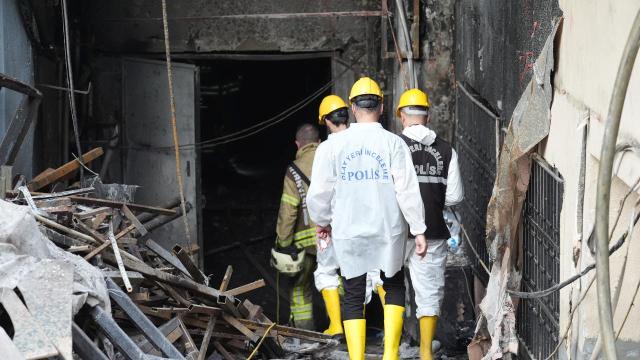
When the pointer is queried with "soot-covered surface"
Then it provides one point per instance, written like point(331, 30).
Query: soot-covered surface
point(497, 43)
point(242, 180)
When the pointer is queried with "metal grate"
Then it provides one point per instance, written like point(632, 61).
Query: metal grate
point(538, 319)
point(476, 142)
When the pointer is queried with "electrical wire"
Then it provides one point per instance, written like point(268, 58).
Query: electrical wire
point(557, 287)
point(83, 165)
point(259, 127)
point(70, 85)
point(566, 330)
point(413, 81)
point(626, 316)
point(397, 51)
point(473, 248)
point(584, 295)
point(618, 289)
point(264, 336)
point(174, 126)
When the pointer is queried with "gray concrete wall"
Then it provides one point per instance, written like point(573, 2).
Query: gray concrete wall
point(588, 54)
point(15, 61)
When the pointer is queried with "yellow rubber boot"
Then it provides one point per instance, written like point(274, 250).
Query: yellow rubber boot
point(381, 293)
point(427, 331)
point(393, 319)
point(332, 303)
point(355, 332)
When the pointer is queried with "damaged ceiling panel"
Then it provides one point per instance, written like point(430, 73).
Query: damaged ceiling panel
point(240, 26)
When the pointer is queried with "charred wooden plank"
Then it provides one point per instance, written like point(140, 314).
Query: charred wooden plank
point(64, 170)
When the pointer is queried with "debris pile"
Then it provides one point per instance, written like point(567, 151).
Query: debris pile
point(80, 273)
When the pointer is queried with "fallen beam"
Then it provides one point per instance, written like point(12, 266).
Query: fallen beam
point(185, 259)
point(166, 255)
point(117, 336)
point(206, 292)
point(64, 170)
point(19, 86)
point(83, 345)
point(118, 205)
point(245, 288)
point(141, 321)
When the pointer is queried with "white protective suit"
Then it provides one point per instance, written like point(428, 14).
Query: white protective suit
point(427, 274)
point(326, 275)
point(369, 172)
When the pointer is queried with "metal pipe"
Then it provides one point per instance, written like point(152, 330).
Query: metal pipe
point(165, 219)
point(185, 259)
point(141, 321)
point(117, 336)
point(603, 196)
point(19, 86)
point(83, 345)
point(146, 217)
point(577, 261)
point(407, 40)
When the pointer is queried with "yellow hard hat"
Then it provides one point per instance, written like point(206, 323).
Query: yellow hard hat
point(365, 86)
point(328, 105)
point(412, 97)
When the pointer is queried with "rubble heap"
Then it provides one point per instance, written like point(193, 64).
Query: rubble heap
point(79, 273)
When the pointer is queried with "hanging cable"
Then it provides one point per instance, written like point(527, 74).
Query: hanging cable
point(397, 51)
point(603, 196)
point(174, 127)
point(70, 85)
point(264, 336)
point(261, 126)
point(413, 80)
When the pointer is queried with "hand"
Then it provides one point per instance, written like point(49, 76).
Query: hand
point(421, 246)
point(323, 232)
point(323, 237)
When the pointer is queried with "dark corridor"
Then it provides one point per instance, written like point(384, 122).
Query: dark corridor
point(242, 179)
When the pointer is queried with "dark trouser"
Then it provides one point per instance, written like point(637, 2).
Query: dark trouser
point(355, 291)
point(301, 295)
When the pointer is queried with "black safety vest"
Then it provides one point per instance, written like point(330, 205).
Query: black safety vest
point(432, 167)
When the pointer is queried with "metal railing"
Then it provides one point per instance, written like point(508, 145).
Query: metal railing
point(477, 141)
point(538, 319)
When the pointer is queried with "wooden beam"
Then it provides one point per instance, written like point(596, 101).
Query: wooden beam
point(64, 170)
point(245, 288)
point(227, 277)
point(225, 354)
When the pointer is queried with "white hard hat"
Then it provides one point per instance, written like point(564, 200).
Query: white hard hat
point(285, 263)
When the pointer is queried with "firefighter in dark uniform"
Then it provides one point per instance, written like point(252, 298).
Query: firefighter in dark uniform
point(295, 252)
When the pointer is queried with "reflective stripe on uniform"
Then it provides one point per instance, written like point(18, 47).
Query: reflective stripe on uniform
point(305, 238)
point(304, 234)
point(300, 309)
point(432, 179)
point(302, 312)
point(291, 200)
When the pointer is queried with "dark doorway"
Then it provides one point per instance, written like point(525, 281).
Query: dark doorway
point(242, 179)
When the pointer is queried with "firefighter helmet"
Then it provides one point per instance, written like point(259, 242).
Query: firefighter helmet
point(287, 263)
